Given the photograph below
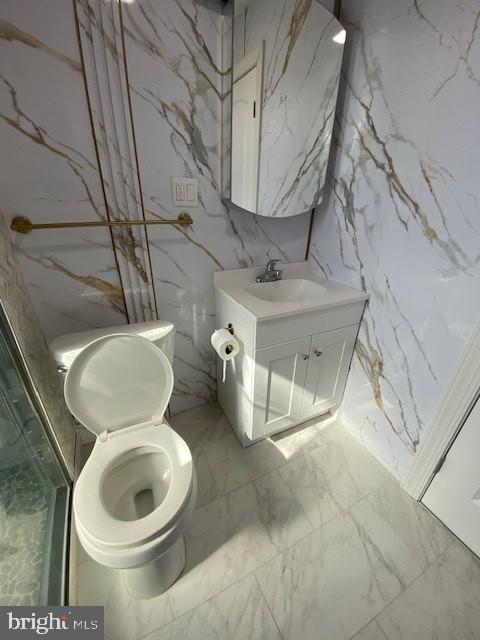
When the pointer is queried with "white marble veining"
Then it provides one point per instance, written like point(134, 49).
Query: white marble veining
point(103, 57)
point(335, 580)
point(300, 84)
point(309, 485)
point(443, 603)
point(174, 57)
point(401, 218)
point(350, 470)
point(238, 613)
point(52, 172)
point(371, 632)
point(26, 327)
point(275, 558)
point(226, 541)
point(233, 466)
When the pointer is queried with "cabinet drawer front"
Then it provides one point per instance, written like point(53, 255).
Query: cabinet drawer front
point(328, 366)
point(278, 388)
point(271, 332)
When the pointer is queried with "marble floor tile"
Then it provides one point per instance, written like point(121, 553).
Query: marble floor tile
point(336, 580)
point(207, 490)
point(280, 512)
point(308, 528)
point(351, 471)
point(233, 465)
point(308, 483)
point(201, 425)
point(225, 541)
point(409, 537)
point(371, 632)
point(94, 583)
point(126, 618)
point(442, 604)
point(238, 613)
point(305, 437)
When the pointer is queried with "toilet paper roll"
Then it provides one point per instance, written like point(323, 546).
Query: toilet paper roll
point(226, 346)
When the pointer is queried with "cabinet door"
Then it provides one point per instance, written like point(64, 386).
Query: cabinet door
point(278, 386)
point(328, 364)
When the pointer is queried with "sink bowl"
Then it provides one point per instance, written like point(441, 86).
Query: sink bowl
point(291, 290)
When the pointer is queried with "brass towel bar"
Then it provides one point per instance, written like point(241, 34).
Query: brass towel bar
point(20, 224)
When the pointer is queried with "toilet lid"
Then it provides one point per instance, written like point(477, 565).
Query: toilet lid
point(119, 381)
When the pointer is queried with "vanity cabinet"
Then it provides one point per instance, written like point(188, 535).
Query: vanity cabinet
point(280, 373)
point(300, 379)
point(296, 344)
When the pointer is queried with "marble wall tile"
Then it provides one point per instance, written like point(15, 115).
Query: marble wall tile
point(103, 56)
point(174, 58)
point(18, 306)
point(177, 87)
point(52, 171)
point(401, 218)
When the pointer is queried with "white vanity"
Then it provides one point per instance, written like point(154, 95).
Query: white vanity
point(296, 340)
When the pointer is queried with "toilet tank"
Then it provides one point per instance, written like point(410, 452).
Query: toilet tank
point(64, 349)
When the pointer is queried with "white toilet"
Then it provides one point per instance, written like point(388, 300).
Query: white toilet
point(137, 491)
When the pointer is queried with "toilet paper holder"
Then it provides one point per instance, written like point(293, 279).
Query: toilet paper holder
point(229, 328)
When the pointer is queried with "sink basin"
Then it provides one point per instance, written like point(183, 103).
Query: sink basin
point(291, 290)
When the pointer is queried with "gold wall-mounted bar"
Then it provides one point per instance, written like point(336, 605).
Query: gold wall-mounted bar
point(20, 224)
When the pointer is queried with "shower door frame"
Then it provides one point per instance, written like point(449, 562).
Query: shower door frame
point(32, 392)
point(15, 350)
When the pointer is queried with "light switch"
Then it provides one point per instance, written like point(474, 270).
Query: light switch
point(185, 192)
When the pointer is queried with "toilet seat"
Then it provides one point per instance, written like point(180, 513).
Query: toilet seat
point(118, 387)
point(118, 381)
point(95, 516)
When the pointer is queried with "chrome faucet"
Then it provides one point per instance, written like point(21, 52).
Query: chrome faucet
point(270, 274)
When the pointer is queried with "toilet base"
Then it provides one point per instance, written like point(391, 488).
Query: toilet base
point(156, 577)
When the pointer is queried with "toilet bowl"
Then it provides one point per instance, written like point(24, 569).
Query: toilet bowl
point(137, 491)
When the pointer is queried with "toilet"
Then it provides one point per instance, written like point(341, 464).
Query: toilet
point(136, 493)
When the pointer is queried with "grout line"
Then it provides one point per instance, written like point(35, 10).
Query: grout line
point(190, 611)
point(267, 604)
point(286, 461)
point(374, 619)
point(202, 451)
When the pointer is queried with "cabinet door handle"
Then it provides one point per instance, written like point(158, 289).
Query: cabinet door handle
point(306, 356)
point(318, 353)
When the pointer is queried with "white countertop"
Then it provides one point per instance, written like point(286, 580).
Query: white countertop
point(233, 283)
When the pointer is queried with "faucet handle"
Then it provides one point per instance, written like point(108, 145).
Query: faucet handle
point(271, 264)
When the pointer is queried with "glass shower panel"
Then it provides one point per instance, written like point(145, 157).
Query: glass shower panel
point(34, 494)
